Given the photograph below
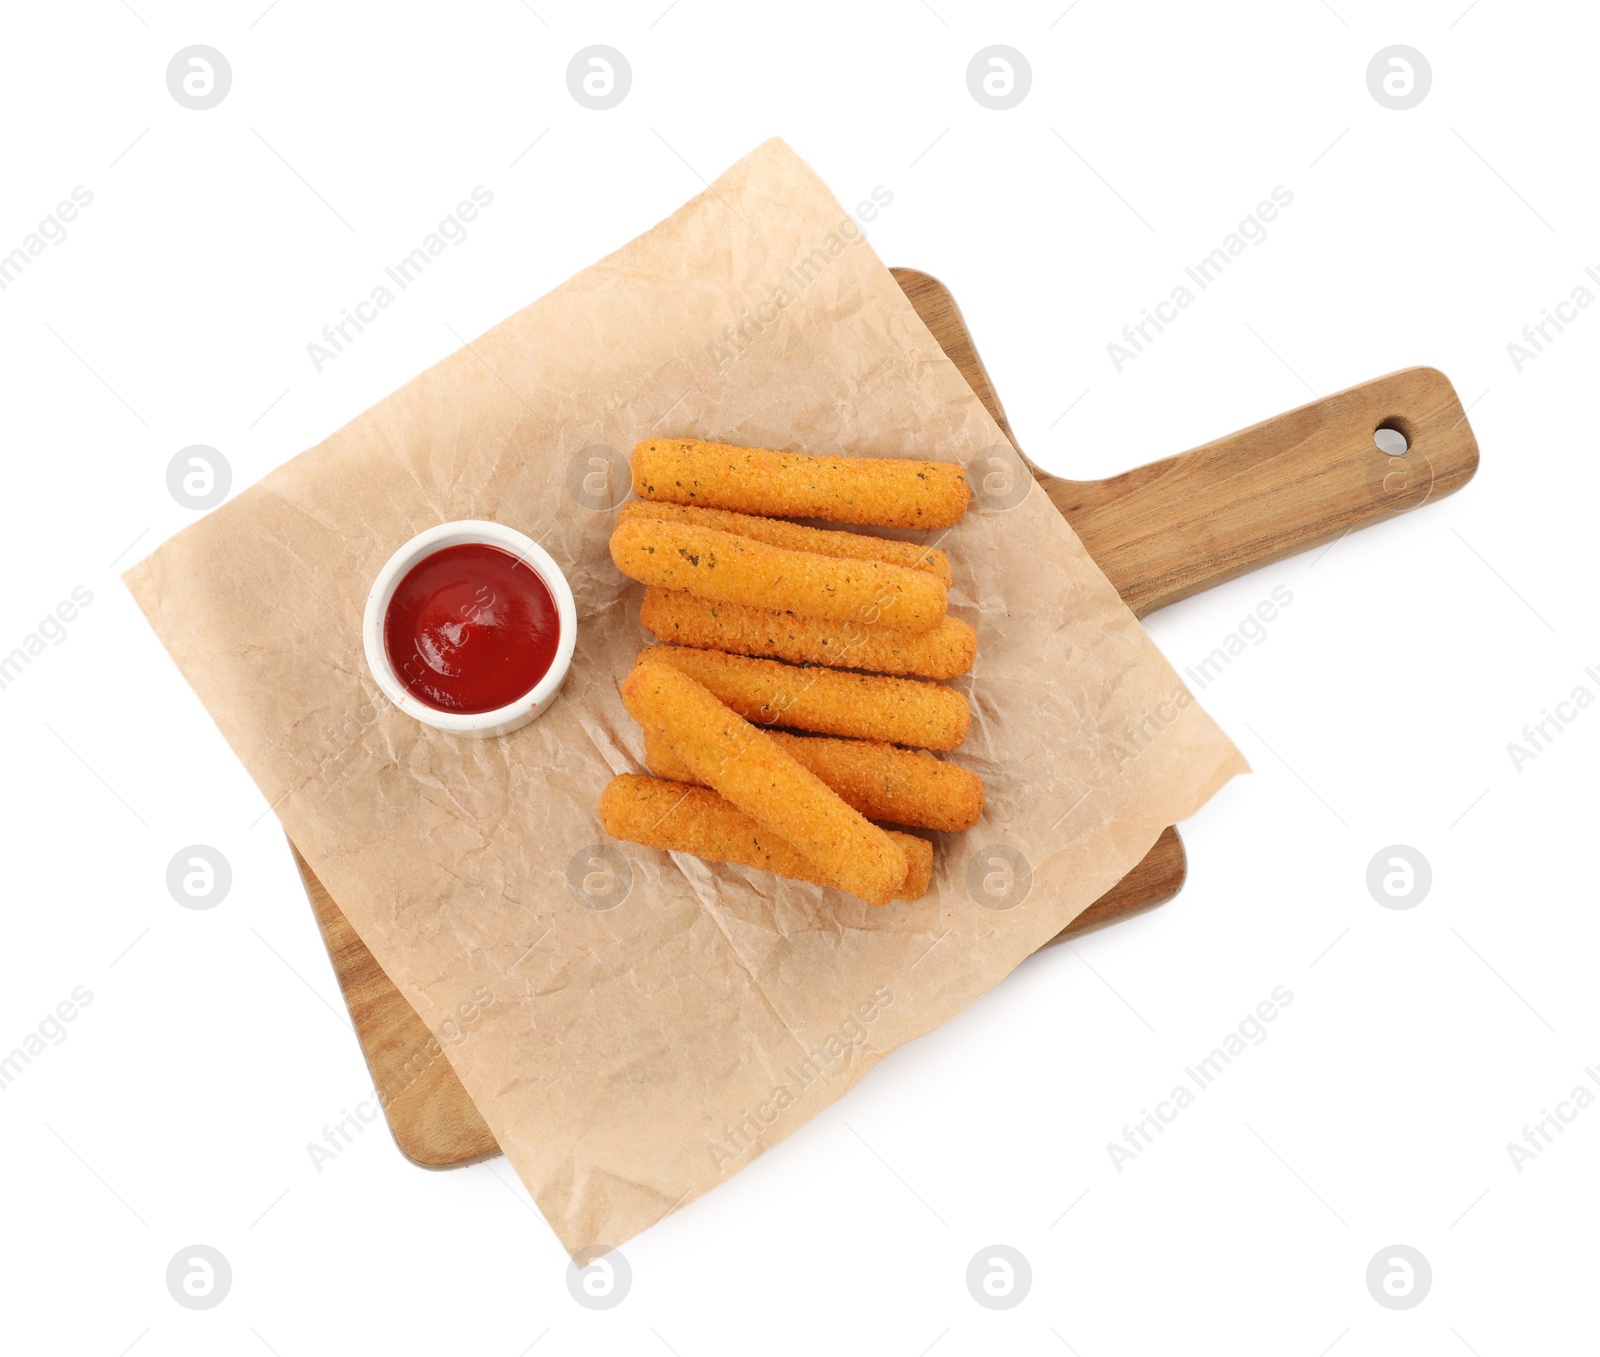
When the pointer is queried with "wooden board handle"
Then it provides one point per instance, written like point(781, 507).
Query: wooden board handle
point(1172, 528)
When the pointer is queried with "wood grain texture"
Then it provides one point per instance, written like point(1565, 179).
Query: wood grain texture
point(1161, 533)
point(434, 1123)
point(1172, 528)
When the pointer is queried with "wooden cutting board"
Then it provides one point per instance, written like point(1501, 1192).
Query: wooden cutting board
point(1160, 533)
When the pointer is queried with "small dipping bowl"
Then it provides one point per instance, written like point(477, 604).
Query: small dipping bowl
point(513, 714)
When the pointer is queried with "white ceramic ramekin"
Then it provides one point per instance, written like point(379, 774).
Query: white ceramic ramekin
point(502, 720)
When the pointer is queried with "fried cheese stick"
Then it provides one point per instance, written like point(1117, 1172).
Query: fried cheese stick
point(945, 651)
point(881, 781)
point(887, 491)
point(715, 564)
point(828, 701)
point(685, 819)
point(748, 768)
point(776, 532)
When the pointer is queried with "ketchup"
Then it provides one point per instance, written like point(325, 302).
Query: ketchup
point(470, 628)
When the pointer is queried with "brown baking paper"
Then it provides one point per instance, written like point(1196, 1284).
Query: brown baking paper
point(630, 1058)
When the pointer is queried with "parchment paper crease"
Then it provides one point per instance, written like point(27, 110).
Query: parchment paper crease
point(637, 1055)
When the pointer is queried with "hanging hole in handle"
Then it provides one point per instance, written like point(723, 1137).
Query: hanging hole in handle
point(1391, 438)
point(1401, 477)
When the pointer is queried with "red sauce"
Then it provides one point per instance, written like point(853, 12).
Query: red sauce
point(470, 628)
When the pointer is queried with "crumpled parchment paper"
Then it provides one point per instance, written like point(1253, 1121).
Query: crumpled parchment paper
point(655, 1021)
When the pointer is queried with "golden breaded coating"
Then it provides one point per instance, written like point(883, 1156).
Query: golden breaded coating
point(886, 491)
point(946, 651)
point(718, 565)
point(882, 781)
point(776, 532)
point(685, 819)
point(919, 865)
point(747, 767)
point(828, 701)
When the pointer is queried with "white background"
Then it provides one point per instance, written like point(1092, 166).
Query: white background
point(1377, 711)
